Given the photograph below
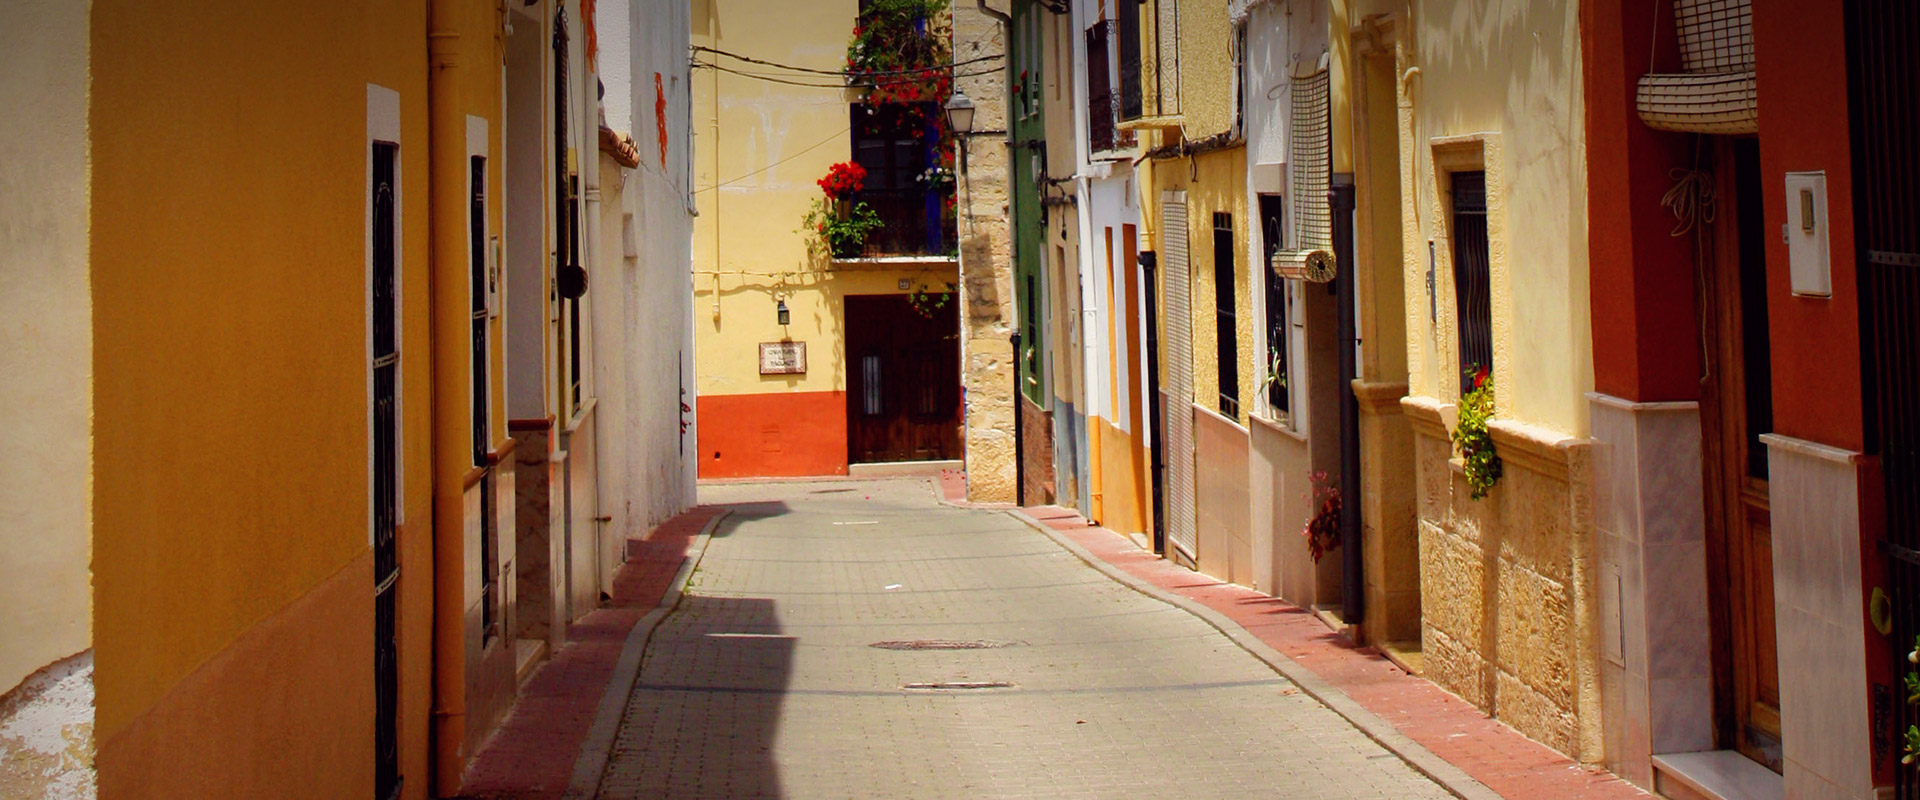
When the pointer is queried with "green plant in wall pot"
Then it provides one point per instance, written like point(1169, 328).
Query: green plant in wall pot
point(1913, 698)
point(1472, 438)
point(839, 228)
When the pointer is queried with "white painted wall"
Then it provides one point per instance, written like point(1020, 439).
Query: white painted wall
point(642, 317)
point(46, 356)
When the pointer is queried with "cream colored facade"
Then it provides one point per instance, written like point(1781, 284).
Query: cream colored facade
point(1507, 586)
point(46, 350)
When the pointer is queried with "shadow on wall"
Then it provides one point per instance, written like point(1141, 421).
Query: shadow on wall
point(703, 715)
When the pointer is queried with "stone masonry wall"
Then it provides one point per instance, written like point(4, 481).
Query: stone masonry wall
point(986, 264)
point(1506, 595)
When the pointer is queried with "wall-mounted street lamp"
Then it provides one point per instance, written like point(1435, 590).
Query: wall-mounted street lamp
point(960, 113)
point(780, 310)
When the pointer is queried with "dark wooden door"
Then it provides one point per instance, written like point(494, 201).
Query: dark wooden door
point(903, 378)
point(1737, 408)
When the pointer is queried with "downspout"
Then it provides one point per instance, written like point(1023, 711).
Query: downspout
point(1353, 609)
point(446, 138)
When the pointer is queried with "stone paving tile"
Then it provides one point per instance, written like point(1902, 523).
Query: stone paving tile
point(764, 683)
point(1487, 750)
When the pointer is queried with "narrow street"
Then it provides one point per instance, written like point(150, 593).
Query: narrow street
point(858, 639)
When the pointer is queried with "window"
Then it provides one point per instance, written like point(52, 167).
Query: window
point(482, 444)
point(1030, 340)
point(1100, 116)
point(1472, 285)
point(1226, 329)
point(1127, 31)
point(890, 143)
point(1273, 232)
point(383, 313)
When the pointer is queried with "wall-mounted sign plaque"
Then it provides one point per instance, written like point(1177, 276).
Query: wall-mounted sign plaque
point(783, 358)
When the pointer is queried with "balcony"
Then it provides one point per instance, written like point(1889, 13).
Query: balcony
point(917, 222)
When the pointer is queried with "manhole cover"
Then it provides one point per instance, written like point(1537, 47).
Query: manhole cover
point(942, 644)
point(938, 685)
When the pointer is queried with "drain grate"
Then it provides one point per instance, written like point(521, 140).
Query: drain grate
point(940, 685)
point(943, 644)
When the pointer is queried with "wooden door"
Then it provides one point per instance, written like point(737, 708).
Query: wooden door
point(903, 379)
point(1737, 407)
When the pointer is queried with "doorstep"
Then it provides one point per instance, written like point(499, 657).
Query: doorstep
point(894, 469)
point(527, 654)
point(1715, 775)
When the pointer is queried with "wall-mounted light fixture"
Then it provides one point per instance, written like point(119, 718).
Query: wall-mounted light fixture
point(780, 310)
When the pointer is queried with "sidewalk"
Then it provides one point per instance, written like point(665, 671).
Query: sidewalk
point(533, 754)
point(1485, 749)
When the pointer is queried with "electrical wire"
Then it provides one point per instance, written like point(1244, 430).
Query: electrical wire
point(842, 73)
point(815, 146)
point(806, 85)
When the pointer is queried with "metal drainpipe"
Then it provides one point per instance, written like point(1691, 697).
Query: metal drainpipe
point(1019, 443)
point(1353, 602)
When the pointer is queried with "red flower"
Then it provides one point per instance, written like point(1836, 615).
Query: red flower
point(1480, 378)
point(843, 179)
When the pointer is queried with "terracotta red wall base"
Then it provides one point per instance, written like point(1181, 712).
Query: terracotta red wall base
point(778, 435)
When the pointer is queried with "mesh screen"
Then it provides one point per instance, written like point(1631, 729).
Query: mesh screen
point(1309, 151)
point(1715, 35)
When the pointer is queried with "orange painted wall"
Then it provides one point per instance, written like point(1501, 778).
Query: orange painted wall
point(1123, 479)
point(234, 615)
point(1801, 49)
point(787, 434)
point(1645, 347)
point(273, 715)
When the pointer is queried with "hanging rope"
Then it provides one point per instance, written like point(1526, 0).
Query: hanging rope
point(1691, 200)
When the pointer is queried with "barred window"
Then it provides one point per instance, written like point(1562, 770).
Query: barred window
point(1226, 327)
point(1273, 233)
point(1472, 283)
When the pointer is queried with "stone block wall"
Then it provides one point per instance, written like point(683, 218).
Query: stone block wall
point(1506, 586)
point(986, 266)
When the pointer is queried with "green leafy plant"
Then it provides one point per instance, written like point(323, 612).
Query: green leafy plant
point(1913, 698)
point(1472, 438)
point(838, 228)
point(925, 303)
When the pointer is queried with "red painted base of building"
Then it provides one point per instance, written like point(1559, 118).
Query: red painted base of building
point(777, 435)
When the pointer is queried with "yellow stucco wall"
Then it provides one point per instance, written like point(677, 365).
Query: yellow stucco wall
point(1214, 182)
point(764, 145)
point(228, 246)
point(1529, 99)
point(46, 598)
point(1206, 68)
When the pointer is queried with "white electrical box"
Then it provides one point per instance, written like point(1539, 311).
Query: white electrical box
point(1806, 234)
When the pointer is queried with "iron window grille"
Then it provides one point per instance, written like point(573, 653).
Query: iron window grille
point(899, 148)
point(1273, 232)
point(386, 473)
point(1472, 279)
point(1226, 324)
point(1883, 49)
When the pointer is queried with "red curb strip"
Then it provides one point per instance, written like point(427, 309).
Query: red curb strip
point(1439, 735)
point(536, 752)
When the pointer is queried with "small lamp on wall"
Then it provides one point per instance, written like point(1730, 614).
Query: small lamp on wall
point(960, 113)
point(780, 310)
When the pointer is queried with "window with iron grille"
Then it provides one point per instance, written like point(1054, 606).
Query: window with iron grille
point(1101, 131)
point(1472, 279)
point(1127, 33)
point(385, 364)
point(1225, 325)
point(1273, 232)
point(896, 144)
point(573, 303)
point(482, 430)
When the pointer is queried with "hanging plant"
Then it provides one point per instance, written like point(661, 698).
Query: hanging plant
point(1323, 530)
point(1472, 438)
point(926, 303)
point(901, 53)
point(842, 180)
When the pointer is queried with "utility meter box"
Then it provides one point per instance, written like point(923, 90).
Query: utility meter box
point(1806, 234)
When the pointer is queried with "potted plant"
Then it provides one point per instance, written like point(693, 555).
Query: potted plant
point(836, 225)
point(1323, 530)
point(1471, 436)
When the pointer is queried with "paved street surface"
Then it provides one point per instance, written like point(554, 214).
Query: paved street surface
point(1006, 668)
